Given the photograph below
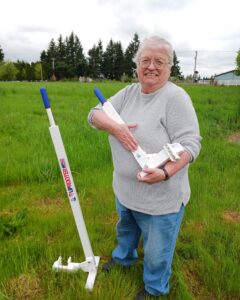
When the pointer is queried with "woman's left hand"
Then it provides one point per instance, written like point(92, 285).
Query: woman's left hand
point(153, 175)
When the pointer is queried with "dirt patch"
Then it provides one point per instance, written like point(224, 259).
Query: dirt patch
point(48, 204)
point(234, 138)
point(25, 286)
point(195, 282)
point(111, 220)
point(7, 213)
point(232, 216)
point(198, 227)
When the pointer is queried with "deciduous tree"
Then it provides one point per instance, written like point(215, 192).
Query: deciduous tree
point(238, 63)
point(8, 71)
point(1, 54)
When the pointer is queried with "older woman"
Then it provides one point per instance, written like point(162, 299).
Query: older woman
point(156, 112)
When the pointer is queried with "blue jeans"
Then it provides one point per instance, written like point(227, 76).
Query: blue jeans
point(159, 239)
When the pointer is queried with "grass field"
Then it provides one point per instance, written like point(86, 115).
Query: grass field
point(36, 222)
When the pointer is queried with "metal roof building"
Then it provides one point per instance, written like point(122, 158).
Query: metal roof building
point(227, 78)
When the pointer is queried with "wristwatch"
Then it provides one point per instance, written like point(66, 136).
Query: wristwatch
point(165, 173)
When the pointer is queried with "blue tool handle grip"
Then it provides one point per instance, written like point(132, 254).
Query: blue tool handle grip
point(44, 94)
point(100, 96)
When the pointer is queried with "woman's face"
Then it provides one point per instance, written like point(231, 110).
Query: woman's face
point(153, 69)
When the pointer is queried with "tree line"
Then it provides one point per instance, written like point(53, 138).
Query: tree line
point(64, 59)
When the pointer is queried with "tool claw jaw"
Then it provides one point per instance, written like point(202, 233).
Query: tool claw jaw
point(57, 264)
point(169, 152)
point(90, 266)
point(173, 151)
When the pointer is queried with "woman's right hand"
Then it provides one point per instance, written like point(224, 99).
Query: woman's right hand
point(126, 138)
point(121, 131)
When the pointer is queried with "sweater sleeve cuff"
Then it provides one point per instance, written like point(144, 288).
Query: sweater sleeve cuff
point(90, 116)
point(192, 154)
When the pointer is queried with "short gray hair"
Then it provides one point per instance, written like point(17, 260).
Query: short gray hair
point(154, 42)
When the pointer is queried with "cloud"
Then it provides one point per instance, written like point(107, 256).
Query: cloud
point(21, 45)
point(35, 29)
point(143, 5)
point(188, 24)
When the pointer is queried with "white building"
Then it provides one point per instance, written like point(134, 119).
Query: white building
point(227, 78)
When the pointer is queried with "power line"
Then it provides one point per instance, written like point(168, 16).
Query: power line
point(212, 50)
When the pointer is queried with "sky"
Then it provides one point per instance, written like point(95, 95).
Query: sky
point(210, 27)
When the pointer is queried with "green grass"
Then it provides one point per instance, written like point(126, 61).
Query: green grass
point(36, 222)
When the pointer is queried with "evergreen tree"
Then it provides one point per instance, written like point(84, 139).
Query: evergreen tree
point(108, 61)
point(80, 60)
point(52, 49)
point(60, 65)
point(64, 58)
point(175, 70)
point(70, 59)
point(75, 59)
point(113, 60)
point(129, 65)
point(46, 65)
point(48, 60)
point(95, 60)
point(60, 49)
point(100, 57)
point(118, 68)
point(1, 54)
point(52, 54)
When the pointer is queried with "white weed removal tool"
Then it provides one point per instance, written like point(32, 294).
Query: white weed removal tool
point(90, 265)
point(154, 160)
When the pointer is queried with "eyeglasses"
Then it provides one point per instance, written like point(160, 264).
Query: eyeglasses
point(158, 63)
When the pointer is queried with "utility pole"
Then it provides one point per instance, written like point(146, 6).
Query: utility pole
point(53, 66)
point(195, 67)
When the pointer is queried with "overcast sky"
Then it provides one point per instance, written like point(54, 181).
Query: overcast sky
point(212, 27)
